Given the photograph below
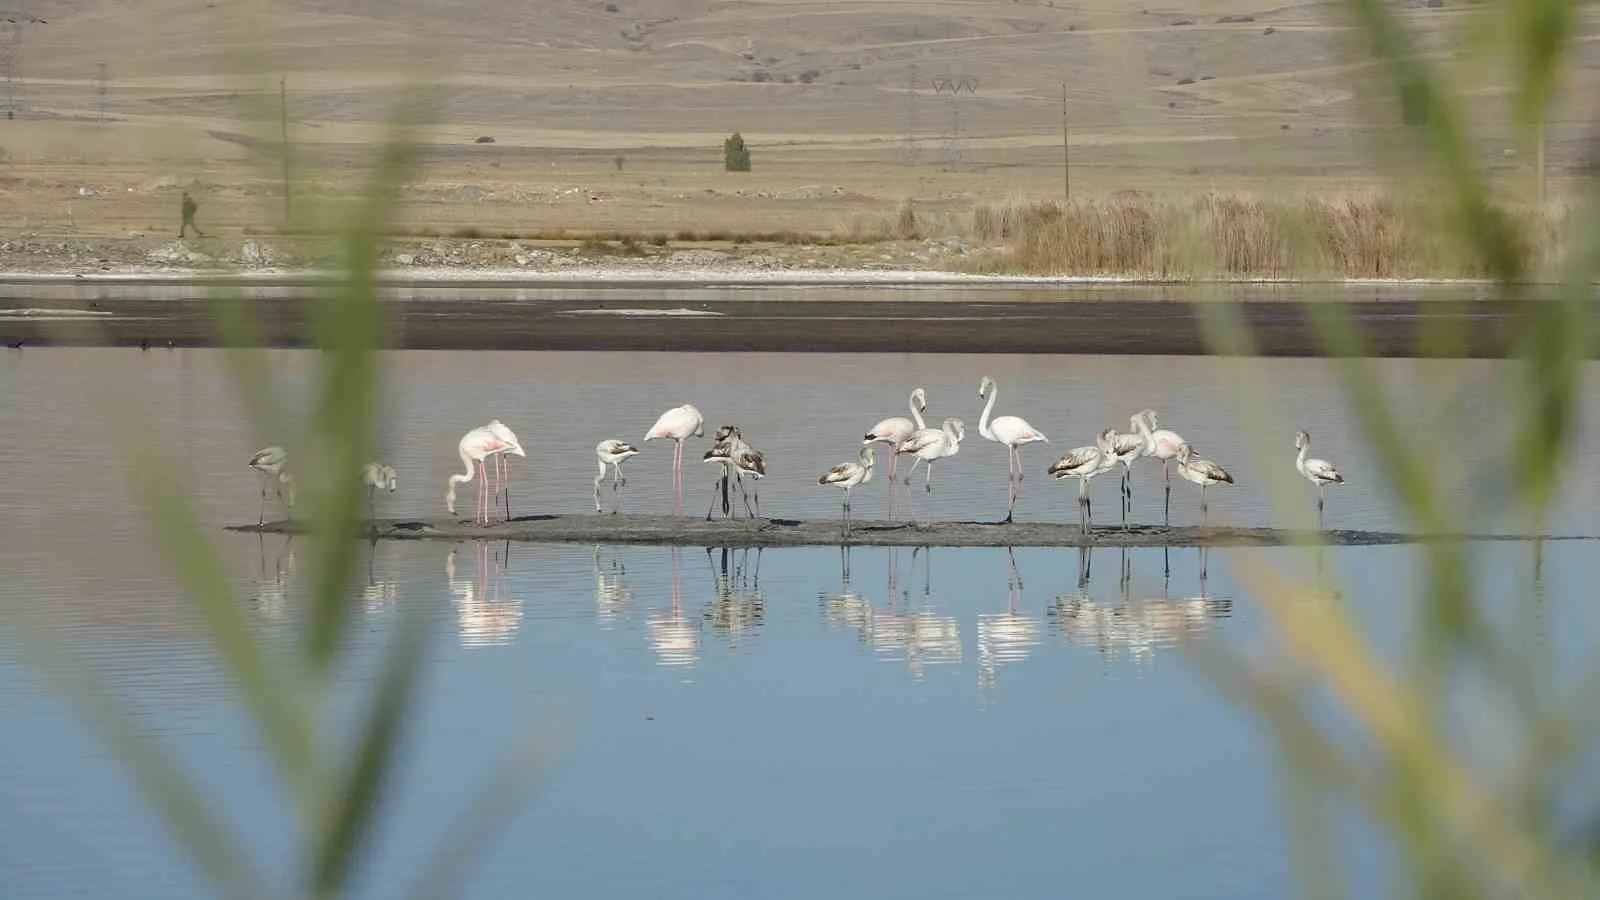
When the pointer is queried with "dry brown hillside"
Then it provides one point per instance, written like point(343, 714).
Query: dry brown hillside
point(837, 99)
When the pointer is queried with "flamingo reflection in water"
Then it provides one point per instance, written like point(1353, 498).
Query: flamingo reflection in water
point(612, 596)
point(1139, 626)
point(487, 615)
point(675, 637)
point(919, 635)
point(376, 595)
point(737, 605)
point(1005, 637)
point(271, 596)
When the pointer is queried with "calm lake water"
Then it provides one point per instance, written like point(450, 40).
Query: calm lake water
point(947, 723)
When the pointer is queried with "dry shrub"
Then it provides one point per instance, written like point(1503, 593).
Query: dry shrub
point(1230, 236)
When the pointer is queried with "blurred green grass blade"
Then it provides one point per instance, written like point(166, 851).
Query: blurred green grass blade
point(1540, 37)
point(1556, 348)
point(1489, 233)
point(247, 365)
point(347, 816)
point(347, 327)
point(209, 842)
point(502, 795)
point(268, 691)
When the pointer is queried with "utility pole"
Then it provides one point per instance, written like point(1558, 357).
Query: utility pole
point(1539, 160)
point(283, 108)
point(100, 93)
point(1066, 148)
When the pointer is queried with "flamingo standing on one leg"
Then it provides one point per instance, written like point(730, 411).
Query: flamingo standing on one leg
point(1013, 431)
point(677, 425)
point(1084, 463)
point(377, 477)
point(1319, 472)
point(474, 447)
point(893, 430)
point(1203, 472)
point(499, 430)
point(273, 462)
point(929, 444)
point(611, 452)
point(848, 475)
point(1163, 445)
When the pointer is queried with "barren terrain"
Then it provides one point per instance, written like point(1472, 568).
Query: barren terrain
point(551, 122)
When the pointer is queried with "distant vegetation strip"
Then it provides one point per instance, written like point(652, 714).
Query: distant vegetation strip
point(1210, 236)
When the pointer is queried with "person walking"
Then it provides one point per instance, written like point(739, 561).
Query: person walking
point(189, 207)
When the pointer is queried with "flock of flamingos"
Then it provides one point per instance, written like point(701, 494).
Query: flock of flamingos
point(903, 436)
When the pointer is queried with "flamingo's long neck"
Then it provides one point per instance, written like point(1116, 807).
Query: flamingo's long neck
point(916, 414)
point(1142, 425)
point(458, 478)
point(1300, 460)
point(983, 420)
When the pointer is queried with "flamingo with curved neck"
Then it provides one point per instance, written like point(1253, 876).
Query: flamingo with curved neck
point(474, 447)
point(1013, 432)
point(893, 430)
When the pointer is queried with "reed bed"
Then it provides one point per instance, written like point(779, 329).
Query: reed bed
point(1234, 236)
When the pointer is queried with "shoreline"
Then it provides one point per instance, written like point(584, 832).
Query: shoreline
point(836, 311)
point(693, 532)
point(644, 275)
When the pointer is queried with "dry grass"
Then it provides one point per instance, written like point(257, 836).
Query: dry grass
point(1216, 235)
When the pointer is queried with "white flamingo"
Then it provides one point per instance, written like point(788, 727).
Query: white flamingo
point(677, 425)
point(1159, 443)
point(273, 462)
point(474, 447)
point(377, 477)
point(1084, 463)
point(506, 435)
point(848, 475)
point(1319, 472)
point(929, 444)
point(893, 430)
point(1203, 472)
point(1012, 431)
point(611, 452)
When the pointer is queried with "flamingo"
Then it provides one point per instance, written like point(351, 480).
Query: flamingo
point(677, 425)
point(1013, 431)
point(1084, 463)
point(272, 462)
point(723, 445)
point(1203, 472)
point(476, 446)
point(499, 430)
point(1128, 447)
point(611, 452)
point(747, 460)
point(1161, 444)
point(848, 475)
point(1319, 472)
point(929, 444)
point(893, 430)
point(737, 459)
point(377, 477)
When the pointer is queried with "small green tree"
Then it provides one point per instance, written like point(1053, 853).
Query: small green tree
point(735, 155)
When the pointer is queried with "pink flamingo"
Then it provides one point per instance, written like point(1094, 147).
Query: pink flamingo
point(476, 446)
point(677, 424)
